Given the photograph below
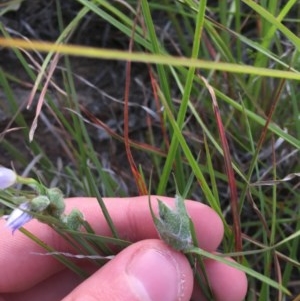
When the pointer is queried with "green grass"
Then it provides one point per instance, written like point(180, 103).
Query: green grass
point(248, 53)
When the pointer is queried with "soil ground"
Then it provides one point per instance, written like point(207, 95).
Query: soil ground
point(99, 87)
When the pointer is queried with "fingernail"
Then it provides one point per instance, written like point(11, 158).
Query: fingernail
point(155, 275)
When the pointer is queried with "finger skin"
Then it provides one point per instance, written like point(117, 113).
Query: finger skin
point(114, 281)
point(54, 288)
point(226, 283)
point(131, 217)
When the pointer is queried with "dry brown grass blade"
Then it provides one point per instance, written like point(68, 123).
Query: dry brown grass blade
point(277, 268)
point(154, 86)
point(42, 95)
point(287, 178)
point(93, 120)
point(229, 170)
point(141, 185)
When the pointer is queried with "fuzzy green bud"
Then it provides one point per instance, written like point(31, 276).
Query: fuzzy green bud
point(173, 225)
point(39, 203)
point(75, 219)
point(57, 203)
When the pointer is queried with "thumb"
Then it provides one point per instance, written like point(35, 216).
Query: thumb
point(146, 271)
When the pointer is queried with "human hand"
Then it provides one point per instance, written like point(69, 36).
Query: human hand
point(146, 270)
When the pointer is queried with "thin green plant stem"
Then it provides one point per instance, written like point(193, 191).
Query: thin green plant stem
point(19, 54)
point(95, 192)
point(268, 31)
point(68, 263)
point(19, 118)
point(274, 205)
point(273, 127)
point(294, 253)
point(125, 25)
point(240, 267)
point(194, 165)
point(178, 28)
point(162, 74)
point(237, 24)
point(86, 149)
point(274, 21)
point(160, 59)
point(183, 107)
point(260, 120)
point(295, 107)
point(64, 36)
point(202, 279)
point(211, 173)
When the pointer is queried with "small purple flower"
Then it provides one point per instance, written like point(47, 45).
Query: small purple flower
point(7, 177)
point(18, 217)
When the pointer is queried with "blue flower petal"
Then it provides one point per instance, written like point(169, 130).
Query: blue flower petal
point(18, 217)
point(7, 177)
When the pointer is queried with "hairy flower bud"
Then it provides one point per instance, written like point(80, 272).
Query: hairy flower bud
point(75, 219)
point(57, 203)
